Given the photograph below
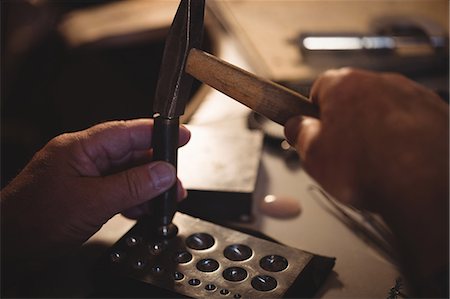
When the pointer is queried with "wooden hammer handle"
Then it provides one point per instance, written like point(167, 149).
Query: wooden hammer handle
point(267, 98)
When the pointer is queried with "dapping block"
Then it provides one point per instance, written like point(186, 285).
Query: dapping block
point(206, 260)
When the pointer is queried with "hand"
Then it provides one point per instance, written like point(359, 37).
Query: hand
point(76, 183)
point(379, 135)
point(382, 144)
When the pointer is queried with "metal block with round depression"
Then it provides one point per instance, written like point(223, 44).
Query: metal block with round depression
point(208, 260)
point(200, 241)
point(237, 252)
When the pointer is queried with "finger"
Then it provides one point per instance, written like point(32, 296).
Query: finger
point(139, 157)
point(309, 130)
point(132, 159)
point(291, 129)
point(133, 187)
point(182, 192)
point(301, 133)
point(117, 138)
point(184, 135)
point(113, 143)
point(325, 82)
point(144, 209)
point(137, 211)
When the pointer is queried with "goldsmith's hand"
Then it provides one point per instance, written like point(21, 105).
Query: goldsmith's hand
point(379, 136)
point(382, 143)
point(76, 183)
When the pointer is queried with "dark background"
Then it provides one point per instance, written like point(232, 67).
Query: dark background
point(49, 88)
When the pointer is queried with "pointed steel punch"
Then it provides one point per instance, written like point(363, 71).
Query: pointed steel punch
point(172, 92)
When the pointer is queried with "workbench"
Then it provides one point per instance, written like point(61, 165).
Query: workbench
point(360, 271)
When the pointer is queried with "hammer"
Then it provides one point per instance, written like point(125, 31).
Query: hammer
point(182, 61)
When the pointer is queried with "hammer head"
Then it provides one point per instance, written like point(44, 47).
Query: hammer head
point(174, 84)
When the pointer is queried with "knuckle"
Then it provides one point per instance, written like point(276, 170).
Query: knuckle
point(344, 73)
point(341, 84)
point(350, 84)
point(119, 124)
point(394, 77)
point(349, 76)
point(60, 141)
point(115, 125)
point(58, 147)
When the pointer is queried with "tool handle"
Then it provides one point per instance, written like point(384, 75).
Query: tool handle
point(165, 148)
point(267, 98)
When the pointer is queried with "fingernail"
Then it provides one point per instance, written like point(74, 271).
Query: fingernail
point(162, 175)
point(291, 129)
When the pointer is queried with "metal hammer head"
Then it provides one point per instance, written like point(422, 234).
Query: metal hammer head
point(174, 84)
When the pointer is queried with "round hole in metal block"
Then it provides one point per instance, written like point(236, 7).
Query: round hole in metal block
point(178, 276)
point(207, 265)
point(238, 252)
point(194, 282)
point(273, 263)
point(182, 257)
point(200, 241)
point(234, 274)
point(210, 287)
point(264, 283)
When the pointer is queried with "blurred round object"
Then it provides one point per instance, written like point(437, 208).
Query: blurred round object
point(280, 206)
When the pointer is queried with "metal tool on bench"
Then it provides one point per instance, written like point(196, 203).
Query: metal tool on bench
point(172, 92)
point(181, 60)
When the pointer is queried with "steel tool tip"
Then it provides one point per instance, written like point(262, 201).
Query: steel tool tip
point(174, 84)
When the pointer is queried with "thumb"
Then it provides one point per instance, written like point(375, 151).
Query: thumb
point(136, 185)
point(301, 132)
